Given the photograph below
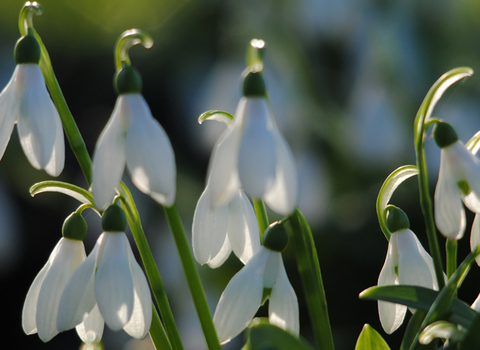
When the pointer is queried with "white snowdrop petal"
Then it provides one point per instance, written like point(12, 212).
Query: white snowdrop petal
point(283, 196)
point(9, 104)
point(449, 212)
point(68, 257)
point(222, 255)
point(243, 231)
point(29, 312)
point(209, 229)
point(241, 298)
point(475, 236)
point(139, 324)
point(283, 307)
point(150, 158)
point(36, 120)
point(91, 330)
point(78, 298)
point(114, 283)
point(57, 158)
point(222, 169)
point(471, 168)
point(472, 202)
point(257, 157)
point(109, 157)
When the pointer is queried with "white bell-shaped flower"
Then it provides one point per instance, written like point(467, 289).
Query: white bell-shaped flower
point(232, 227)
point(26, 101)
point(111, 278)
point(43, 298)
point(244, 294)
point(406, 263)
point(133, 137)
point(458, 179)
point(253, 155)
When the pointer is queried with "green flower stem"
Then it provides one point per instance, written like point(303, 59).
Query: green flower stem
point(193, 278)
point(311, 276)
point(74, 137)
point(262, 218)
point(451, 250)
point(151, 270)
point(157, 332)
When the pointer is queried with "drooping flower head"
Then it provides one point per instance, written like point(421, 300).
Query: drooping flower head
point(459, 176)
point(43, 298)
point(263, 276)
point(132, 137)
point(110, 281)
point(408, 263)
point(253, 155)
point(26, 102)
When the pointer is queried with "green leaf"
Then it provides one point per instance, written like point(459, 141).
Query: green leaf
point(369, 339)
point(73, 191)
point(422, 299)
point(412, 329)
point(219, 116)
point(472, 338)
point(386, 191)
point(263, 335)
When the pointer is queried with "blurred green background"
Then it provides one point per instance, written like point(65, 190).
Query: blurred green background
point(345, 78)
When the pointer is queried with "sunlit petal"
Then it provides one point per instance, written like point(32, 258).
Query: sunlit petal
point(57, 158)
point(150, 158)
point(241, 298)
point(69, 256)
point(209, 229)
point(475, 236)
point(109, 157)
point(9, 105)
point(222, 255)
point(471, 168)
point(283, 307)
point(243, 231)
point(91, 330)
point(114, 282)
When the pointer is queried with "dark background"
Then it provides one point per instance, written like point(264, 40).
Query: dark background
point(345, 79)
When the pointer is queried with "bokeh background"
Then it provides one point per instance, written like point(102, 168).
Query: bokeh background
point(345, 78)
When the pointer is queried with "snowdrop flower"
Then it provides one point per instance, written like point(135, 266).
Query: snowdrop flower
point(133, 137)
point(215, 233)
point(25, 101)
point(111, 279)
point(407, 263)
point(458, 177)
point(253, 155)
point(244, 294)
point(43, 298)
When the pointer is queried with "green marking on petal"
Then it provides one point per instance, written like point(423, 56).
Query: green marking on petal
point(464, 187)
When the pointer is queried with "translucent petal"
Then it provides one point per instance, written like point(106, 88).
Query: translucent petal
point(114, 282)
point(413, 266)
point(209, 229)
point(38, 121)
point(271, 267)
point(283, 196)
point(476, 304)
point(472, 202)
point(449, 212)
point(283, 307)
point(243, 231)
point(241, 298)
point(68, 257)
point(57, 159)
point(139, 324)
point(257, 158)
point(9, 104)
point(109, 157)
point(222, 255)
point(471, 169)
point(222, 169)
point(91, 330)
point(78, 298)
point(391, 315)
point(475, 236)
point(150, 158)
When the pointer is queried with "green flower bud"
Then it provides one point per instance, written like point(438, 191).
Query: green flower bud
point(275, 237)
point(444, 134)
point(127, 80)
point(114, 219)
point(27, 50)
point(75, 227)
point(397, 220)
point(254, 85)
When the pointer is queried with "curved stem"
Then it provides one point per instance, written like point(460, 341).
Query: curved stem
point(25, 19)
point(128, 39)
point(311, 276)
point(151, 270)
point(262, 217)
point(193, 278)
